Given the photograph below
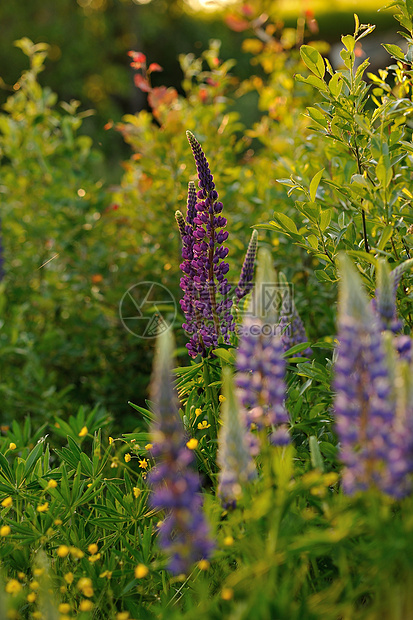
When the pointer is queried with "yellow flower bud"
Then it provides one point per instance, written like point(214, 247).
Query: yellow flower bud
point(141, 571)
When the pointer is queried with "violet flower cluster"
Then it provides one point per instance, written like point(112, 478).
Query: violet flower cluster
point(260, 362)
point(291, 325)
point(237, 468)
point(384, 303)
point(245, 283)
point(372, 448)
point(205, 303)
point(183, 534)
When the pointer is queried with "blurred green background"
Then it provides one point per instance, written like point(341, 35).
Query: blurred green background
point(87, 211)
point(89, 41)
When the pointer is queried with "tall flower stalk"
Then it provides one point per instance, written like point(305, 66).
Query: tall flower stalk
point(384, 303)
point(236, 465)
point(205, 303)
point(291, 325)
point(260, 363)
point(183, 534)
point(245, 283)
point(365, 402)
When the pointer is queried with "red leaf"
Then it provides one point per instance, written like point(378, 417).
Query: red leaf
point(142, 83)
point(155, 67)
point(236, 23)
point(137, 56)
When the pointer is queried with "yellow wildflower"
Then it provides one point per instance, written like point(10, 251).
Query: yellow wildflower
point(52, 484)
point(143, 463)
point(12, 446)
point(85, 605)
point(122, 615)
point(203, 424)
point(13, 586)
point(31, 597)
point(58, 521)
point(137, 491)
point(148, 446)
point(107, 574)
point(330, 478)
point(83, 431)
point(34, 585)
point(77, 553)
point(110, 440)
point(6, 503)
point(203, 564)
point(93, 548)
point(37, 615)
point(43, 507)
point(198, 412)
point(228, 541)
point(94, 558)
point(222, 399)
point(127, 457)
point(192, 443)
point(141, 571)
point(64, 608)
point(5, 530)
point(227, 594)
point(38, 572)
point(62, 551)
point(21, 576)
point(69, 578)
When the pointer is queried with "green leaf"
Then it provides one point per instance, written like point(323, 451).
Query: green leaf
point(286, 222)
point(312, 80)
point(325, 219)
point(349, 42)
point(394, 50)
point(316, 458)
point(148, 415)
point(384, 171)
point(313, 59)
point(313, 241)
point(385, 236)
point(335, 84)
point(226, 355)
point(315, 181)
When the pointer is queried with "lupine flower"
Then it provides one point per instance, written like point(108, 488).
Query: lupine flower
point(234, 458)
point(384, 303)
point(260, 363)
point(207, 318)
point(247, 272)
point(183, 534)
point(365, 406)
point(291, 326)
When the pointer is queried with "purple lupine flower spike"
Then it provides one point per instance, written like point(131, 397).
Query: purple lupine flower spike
point(291, 325)
point(205, 286)
point(183, 534)
point(234, 458)
point(247, 272)
point(364, 401)
point(385, 299)
point(260, 363)
point(384, 303)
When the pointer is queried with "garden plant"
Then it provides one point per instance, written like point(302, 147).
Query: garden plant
point(254, 459)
